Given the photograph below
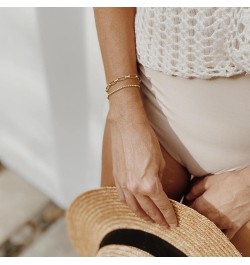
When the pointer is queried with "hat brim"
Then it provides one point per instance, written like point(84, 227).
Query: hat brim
point(98, 214)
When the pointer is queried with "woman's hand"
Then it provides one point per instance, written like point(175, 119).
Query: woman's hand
point(138, 166)
point(136, 155)
point(224, 199)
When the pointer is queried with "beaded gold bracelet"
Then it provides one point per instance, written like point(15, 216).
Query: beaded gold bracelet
point(122, 78)
point(122, 88)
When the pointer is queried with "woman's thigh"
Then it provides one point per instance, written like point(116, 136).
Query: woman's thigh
point(242, 240)
point(175, 180)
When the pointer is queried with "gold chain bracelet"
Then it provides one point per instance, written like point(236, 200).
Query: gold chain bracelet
point(122, 78)
point(122, 88)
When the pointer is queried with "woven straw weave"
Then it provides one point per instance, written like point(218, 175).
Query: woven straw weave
point(202, 42)
point(96, 213)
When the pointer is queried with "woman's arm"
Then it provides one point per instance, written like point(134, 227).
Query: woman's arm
point(138, 163)
point(115, 29)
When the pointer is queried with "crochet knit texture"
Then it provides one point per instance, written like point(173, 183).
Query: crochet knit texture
point(202, 42)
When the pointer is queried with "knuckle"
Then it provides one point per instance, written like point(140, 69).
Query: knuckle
point(232, 225)
point(153, 213)
point(133, 187)
point(149, 189)
point(166, 211)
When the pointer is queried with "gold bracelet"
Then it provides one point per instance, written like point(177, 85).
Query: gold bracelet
point(122, 78)
point(122, 88)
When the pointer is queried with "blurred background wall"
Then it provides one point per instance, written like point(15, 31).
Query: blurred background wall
point(52, 99)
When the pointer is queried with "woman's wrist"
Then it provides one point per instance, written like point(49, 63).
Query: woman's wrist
point(130, 110)
point(126, 104)
point(126, 94)
point(134, 116)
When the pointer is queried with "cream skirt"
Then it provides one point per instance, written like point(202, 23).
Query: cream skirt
point(203, 124)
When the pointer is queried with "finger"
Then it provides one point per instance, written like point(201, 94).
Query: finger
point(222, 223)
point(204, 208)
point(199, 206)
point(197, 189)
point(163, 203)
point(150, 208)
point(135, 206)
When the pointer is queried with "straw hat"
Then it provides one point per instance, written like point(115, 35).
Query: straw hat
point(100, 225)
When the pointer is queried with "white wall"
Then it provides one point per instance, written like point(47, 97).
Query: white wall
point(52, 98)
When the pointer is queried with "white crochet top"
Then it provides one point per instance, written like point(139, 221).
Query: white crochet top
point(202, 42)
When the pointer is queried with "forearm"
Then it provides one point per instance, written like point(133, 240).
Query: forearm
point(115, 29)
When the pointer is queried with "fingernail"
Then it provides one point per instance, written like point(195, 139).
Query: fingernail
point(173, 225)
